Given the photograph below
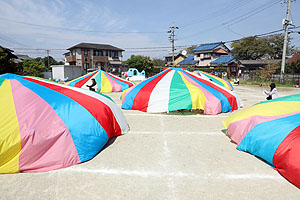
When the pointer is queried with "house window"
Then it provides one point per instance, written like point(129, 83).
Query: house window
point(207, 55)
point(86, 65)
point(114, 54)
point(98, 53)
point(95, 53)
point(106, 53)
point(85, 52)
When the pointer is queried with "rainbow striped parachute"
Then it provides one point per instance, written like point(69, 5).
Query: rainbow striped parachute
point(271, 131)
point(176, 89)
point(46, 126)
point(106, 82)
point(215, 79)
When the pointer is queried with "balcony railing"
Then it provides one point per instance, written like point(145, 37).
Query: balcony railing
point(71, 59)
point(100, 58)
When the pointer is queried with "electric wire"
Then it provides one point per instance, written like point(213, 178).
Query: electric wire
point(82, 30)
point(237, 19)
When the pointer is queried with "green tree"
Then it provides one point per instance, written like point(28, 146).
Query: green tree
point(140, 63)
point(293, 68)
point(7, 64)
point(32, 67)
point(276, 44)
point(158, 62)
point(52, 61)
point(189, 50)
point(253, 48)
point(266, 74)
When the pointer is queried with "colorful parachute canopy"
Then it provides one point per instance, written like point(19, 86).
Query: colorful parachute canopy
point(106, 82)
point(46, 126)
point(271, 131)
point(215, 79)
point(175, 89)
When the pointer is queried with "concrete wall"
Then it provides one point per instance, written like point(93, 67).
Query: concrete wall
point(65, 71)
point(72, 71)
point(58, 72)
point(47, 75)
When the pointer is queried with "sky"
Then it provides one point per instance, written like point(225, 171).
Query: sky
point(138, 26)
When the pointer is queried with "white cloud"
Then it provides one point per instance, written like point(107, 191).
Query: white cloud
point(83, 15)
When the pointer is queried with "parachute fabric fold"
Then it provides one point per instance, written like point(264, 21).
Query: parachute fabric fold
point(106, 82)
point(214, 79)
point(271, 131)
point(46, 126)
point(176, 89)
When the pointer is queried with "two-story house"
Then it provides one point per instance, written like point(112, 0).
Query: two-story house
point(92, 56)
point(212, 55)
point(206, 53)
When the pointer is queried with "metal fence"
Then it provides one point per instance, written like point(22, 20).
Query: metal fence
point(287, 78)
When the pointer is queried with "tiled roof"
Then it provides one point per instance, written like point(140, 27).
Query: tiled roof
point(209, 46)
point(23, 57)
point(95, 46)
point(223, 59)
point(188, 61)
point(9, 52)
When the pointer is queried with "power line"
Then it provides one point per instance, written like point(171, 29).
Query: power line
point(217, 13)
point(130, 48)
point(39, 49)
point(9, 40)
point(258, 35)
point(82, 30)
point(295, 27)
point(254, 12)
point(238, 19)
point(146, 49)
point(249, 14)
point(228, 28)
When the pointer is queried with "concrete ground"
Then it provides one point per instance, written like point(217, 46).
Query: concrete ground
point(163, 157)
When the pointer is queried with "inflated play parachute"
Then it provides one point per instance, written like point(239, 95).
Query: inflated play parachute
point(46, 126)
point(271, 131)
point(215, 79)
point(176, 89)
point(106, 82)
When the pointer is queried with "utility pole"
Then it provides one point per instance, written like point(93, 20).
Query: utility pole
point(48, 51)
point(172, 39)
point(286, 23)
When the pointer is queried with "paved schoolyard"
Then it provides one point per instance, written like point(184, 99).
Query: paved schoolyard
point(163, 157)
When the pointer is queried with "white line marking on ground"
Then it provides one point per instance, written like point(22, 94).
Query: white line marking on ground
point(166, 161)
point(176, 132)
point(166, 174)
point(165, 115)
